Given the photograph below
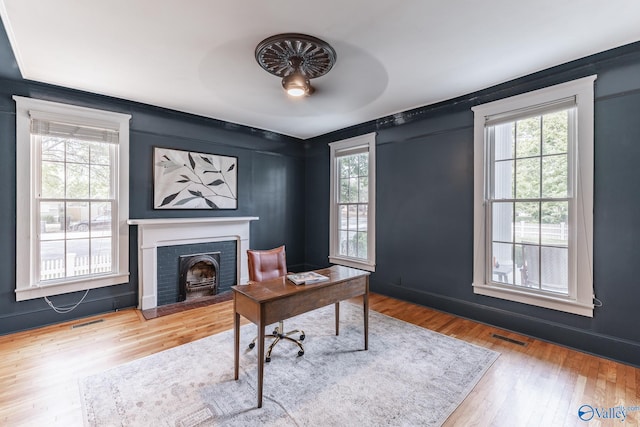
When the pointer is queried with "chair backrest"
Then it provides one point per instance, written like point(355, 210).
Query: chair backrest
point(267, 264)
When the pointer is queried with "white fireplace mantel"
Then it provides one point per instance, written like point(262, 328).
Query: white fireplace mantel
point(156, 232)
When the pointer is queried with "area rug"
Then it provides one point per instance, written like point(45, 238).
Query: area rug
point(410, 376)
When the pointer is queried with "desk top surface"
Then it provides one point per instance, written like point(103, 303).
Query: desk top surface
point(280, 286)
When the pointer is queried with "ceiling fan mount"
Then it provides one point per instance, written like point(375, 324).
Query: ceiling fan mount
point(296, 58)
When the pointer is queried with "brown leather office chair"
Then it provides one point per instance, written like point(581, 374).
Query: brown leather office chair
point(265, 265)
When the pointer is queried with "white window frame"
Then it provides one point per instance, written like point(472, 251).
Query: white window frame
point(27, 171)
point(581, 296)
point(337, 149)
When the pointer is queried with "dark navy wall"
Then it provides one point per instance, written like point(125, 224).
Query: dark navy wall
point(270, 186)
point(424, 208)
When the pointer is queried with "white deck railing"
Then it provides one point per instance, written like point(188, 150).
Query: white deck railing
point(74, 266)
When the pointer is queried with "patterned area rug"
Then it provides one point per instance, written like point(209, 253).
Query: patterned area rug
point(409, 376)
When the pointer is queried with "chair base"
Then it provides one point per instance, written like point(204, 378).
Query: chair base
point(279, 337)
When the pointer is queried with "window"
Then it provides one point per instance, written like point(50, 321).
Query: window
point(352, 221)
point(72, 198)
point(533, 198)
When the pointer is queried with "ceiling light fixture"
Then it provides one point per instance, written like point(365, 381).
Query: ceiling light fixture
point(296, 58)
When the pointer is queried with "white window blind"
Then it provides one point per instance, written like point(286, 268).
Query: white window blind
point(43, 127)
point(530, 111)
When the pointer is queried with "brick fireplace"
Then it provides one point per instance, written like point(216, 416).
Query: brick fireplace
point(176, 261)
point(158, 234)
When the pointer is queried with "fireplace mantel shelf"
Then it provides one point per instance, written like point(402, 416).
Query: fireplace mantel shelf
point(155, 232)
point(169, 221)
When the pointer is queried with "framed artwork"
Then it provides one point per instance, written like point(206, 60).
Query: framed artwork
point(189, 180)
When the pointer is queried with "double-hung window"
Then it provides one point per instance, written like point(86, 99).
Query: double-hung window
point(533, 212)
point(352, 220)
point(72, 198)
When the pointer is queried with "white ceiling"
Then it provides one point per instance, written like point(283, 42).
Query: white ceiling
point(197, 56)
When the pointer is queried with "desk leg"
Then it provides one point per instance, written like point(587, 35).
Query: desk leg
point(337, 318)
point(365, 304)
point(260, 362)
point(236, 349)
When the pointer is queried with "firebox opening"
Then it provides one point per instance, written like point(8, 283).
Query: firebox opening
point(199, 275)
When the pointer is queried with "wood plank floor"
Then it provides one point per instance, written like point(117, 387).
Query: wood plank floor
point(538, 384)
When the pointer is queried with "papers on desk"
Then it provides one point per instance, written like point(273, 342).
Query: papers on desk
point(306, 277)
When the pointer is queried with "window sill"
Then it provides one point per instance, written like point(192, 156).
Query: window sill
point(546, 301)
point(32, 292)
point(350, 262)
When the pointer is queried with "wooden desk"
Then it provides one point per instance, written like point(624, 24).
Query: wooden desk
point(270, 301)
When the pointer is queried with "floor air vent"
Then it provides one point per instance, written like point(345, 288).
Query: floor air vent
point(79, 325)
point(511, 340)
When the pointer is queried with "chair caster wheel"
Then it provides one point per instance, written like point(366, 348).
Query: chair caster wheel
point(275, 332)
point(300, 353)
point(302, 337)
point(251, 345)
point(268, 359)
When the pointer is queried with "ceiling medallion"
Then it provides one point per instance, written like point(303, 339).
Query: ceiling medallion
point(296, 58)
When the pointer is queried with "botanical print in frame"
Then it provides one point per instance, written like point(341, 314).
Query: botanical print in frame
point(188, 180)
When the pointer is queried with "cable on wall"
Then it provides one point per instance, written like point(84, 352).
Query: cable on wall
point(64, 310)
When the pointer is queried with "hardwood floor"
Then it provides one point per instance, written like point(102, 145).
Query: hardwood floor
point(536, 384)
